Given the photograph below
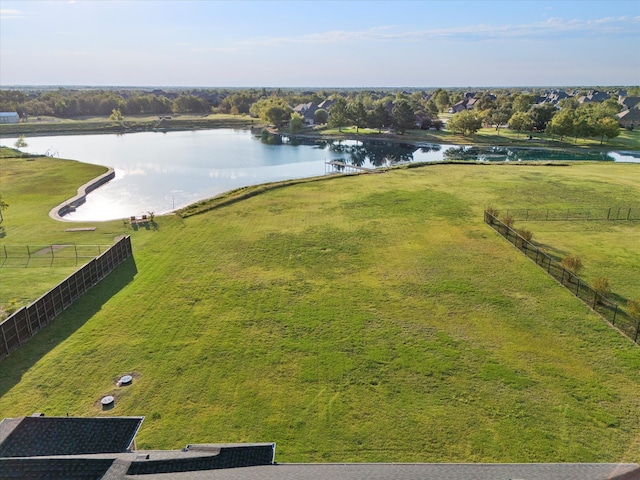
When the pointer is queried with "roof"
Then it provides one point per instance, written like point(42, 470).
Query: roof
point(39, 436)
point(58, 448)
point(424, 471)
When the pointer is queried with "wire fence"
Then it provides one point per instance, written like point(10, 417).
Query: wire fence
point(608, 309)
point(575, 214)
point(26, 322)
point(48, 255)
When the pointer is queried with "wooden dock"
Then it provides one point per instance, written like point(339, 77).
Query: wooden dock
point(348, 168)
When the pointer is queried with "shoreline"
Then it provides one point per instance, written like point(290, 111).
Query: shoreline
point(59, 211)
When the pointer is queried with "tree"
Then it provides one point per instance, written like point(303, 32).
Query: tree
point(296, 122)
point(520, 121)
point(320, 116)
point(441, 99)
point(562, 123)
point(357, 113)
point(607, 127)
point(523, 102)
point(542, 115)
point(403, 116)
point(116, 115)
point(20, 142)
point(272, 110)
point(339, 116)
point(380, 116)
point(464, 122)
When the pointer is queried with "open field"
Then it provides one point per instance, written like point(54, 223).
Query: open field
point(366, 318)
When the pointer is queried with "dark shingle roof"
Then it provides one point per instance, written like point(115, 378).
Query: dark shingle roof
point(434, 471)
point(39, 436)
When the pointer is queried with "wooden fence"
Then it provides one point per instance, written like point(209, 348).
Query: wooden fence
point(27, 321)
point(608, 309)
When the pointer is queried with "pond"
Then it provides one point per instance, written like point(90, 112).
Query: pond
point(160, 172)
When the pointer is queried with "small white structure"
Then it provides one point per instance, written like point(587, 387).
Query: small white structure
point(9, 117)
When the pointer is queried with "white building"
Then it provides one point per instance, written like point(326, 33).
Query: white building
point(9, 117)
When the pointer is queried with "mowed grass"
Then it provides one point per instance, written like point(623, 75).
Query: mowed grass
point(368, 318)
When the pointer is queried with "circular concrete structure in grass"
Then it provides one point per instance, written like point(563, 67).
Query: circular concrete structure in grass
point(107, 402)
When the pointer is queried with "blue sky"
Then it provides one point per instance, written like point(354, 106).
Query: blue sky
point(320, 43)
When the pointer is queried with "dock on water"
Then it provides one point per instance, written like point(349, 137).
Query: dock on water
point(342, 167)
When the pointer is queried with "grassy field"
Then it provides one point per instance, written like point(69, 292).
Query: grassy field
point(366, 318)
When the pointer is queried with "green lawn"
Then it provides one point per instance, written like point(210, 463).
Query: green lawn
point(361, 318)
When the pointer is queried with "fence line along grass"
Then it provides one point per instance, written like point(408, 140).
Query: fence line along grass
point(573, 214)
point(599, 302)
point(367, 318)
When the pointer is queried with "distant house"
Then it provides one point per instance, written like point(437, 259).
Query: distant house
point(629, 102)
point(466, 104)
point(307, 110)
point(326, 104)
point(629, 118)
point(9, 117)
point(594, 96)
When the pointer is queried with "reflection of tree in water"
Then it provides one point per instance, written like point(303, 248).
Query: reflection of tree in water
point(430, 148)
point(502, 154)
point(378, 154)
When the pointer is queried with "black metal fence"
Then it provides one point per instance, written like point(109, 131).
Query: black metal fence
point(608, 309)
point(575, 214)
point(48, 255)
point(27, 321)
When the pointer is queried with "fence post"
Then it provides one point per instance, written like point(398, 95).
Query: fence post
point(4, 337)
point(609, 213)
point(5, 252)
point(578, 287)
point(527, 217)
point(629, 214)
point(15, 324)
point(28, 251)
point(637, 332)
point(595, 299)
point(615, 312)
point(561, 281)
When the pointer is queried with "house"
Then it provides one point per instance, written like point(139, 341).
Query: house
point(594, 96)
point(629, 118)
point(466, 104)
point(9, 117)
point(326, 104)
point(629, 102)
point(307, 110)
point(39, 448)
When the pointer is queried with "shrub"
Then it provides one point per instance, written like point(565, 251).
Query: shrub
point(508, 220)
point(492, 210)
point(602, 286)
point(572, 263)
point(526, 234)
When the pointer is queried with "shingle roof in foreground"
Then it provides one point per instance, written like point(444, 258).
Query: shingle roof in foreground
point(381, 471)
point(39, 436)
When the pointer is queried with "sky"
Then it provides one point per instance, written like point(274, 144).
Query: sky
point(307, 43)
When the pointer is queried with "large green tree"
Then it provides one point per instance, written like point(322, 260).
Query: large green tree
point(339, 115)
point(273, 110)
point(358, 114)
point(403, 116)
point(465, 122)
point(521, 122)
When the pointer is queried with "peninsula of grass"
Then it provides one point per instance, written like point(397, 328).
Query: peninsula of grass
point(358, 318)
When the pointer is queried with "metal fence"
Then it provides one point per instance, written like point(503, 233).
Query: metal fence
point(608, 309)
point(48, 255)
point(575, 214)
point(27, 321)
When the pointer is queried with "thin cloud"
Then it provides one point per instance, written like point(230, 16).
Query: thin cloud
point(552, 26)
point(6, 14)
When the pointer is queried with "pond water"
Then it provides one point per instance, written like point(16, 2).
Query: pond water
point(160, 172)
